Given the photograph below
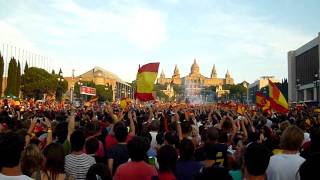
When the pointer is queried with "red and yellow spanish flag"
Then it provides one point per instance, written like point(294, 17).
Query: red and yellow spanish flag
point(146, 76)
point(277, 100)
point(263, 102)
point(241, 109)
point(260, 99)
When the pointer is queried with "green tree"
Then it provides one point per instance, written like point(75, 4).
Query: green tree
point(158, 88)
point(1, 73)
point(236, 91)
point(12, 78)
point(178, 90)
point(62, 86)
point(104, 93)
point(26, 66)
point(60, 72)
point(18, 77)
point(36, 81)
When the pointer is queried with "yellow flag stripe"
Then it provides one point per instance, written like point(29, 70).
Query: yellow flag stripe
point(281, 101)
point(145, 82)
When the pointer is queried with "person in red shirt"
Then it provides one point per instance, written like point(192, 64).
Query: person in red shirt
point(167, 159)
point(137, 169)
point(111, 140)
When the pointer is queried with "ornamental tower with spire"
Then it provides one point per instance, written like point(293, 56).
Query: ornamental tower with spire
point(228, 79)
point(214, 72)
point(176, 76)
point(195, 67)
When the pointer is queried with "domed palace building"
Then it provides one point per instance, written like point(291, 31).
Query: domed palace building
point(195, 81)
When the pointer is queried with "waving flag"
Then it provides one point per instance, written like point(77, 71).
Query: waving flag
point(277, 100)
point(147, 74)
point(260, 99)
point(263, 102)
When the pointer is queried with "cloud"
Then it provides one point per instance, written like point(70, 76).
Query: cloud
point(12, 36)
point(143, 27)
point(250, 41)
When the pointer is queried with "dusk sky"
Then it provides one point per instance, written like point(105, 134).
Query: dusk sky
point(248, 38)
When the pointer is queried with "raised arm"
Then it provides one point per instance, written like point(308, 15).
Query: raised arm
point(71, 123)
point(178, 126)
point(132, 117)
point(49, 131)
point(243, 128)
point(30, 133)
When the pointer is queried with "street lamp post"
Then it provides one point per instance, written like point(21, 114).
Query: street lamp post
point(80, 84)
point(316, 83)
point(59, 94)
point(298, 88)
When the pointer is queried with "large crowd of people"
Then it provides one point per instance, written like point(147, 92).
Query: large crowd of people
point(159, 141)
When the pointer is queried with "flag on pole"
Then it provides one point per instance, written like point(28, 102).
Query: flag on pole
point(146, 76)
point(277, 100)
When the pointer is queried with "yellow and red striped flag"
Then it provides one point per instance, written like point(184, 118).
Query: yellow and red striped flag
point(147, 74)
point(262, 102)
point(278, 101)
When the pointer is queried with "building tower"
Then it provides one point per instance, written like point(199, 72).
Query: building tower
point(176, 76)
point(162, 75)
point(176, 73)
point(227, 75)
point(195, 68)
point(161, 79)
point(228, 78)
point(213, 72)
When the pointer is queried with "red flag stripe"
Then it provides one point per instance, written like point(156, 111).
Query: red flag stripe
point(277, 107)
point(150, 67)
point(144, 96)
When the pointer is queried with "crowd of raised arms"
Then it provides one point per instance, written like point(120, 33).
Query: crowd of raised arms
point(159, 141)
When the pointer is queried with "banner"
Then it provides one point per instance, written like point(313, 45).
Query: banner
point(88, 91)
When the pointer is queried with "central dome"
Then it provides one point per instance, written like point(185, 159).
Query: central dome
point(195, 68)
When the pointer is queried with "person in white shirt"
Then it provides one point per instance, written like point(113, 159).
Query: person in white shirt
point(286, 166)
point(11, 146)
point(78, 163)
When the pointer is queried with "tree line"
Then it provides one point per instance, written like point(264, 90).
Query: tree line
point(33, 82)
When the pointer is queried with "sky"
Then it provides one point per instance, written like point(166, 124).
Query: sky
point(248, 38)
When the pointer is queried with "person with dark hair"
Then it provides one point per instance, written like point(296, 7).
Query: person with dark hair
point(187, 168)
point(11, 146)
point(154, 128)
point(78, 163)
point(167, 158)
point(118, 154)
point(212, 152)
point(92, 146)
point(171, 138)
point(290, 141)
point(314, 144)
point(256, 161)
point(111, 140)
point(54, 163)
point(137, 169)
point(309, 169)
point(98, 172)
point(63, 132)
point(215, 172)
